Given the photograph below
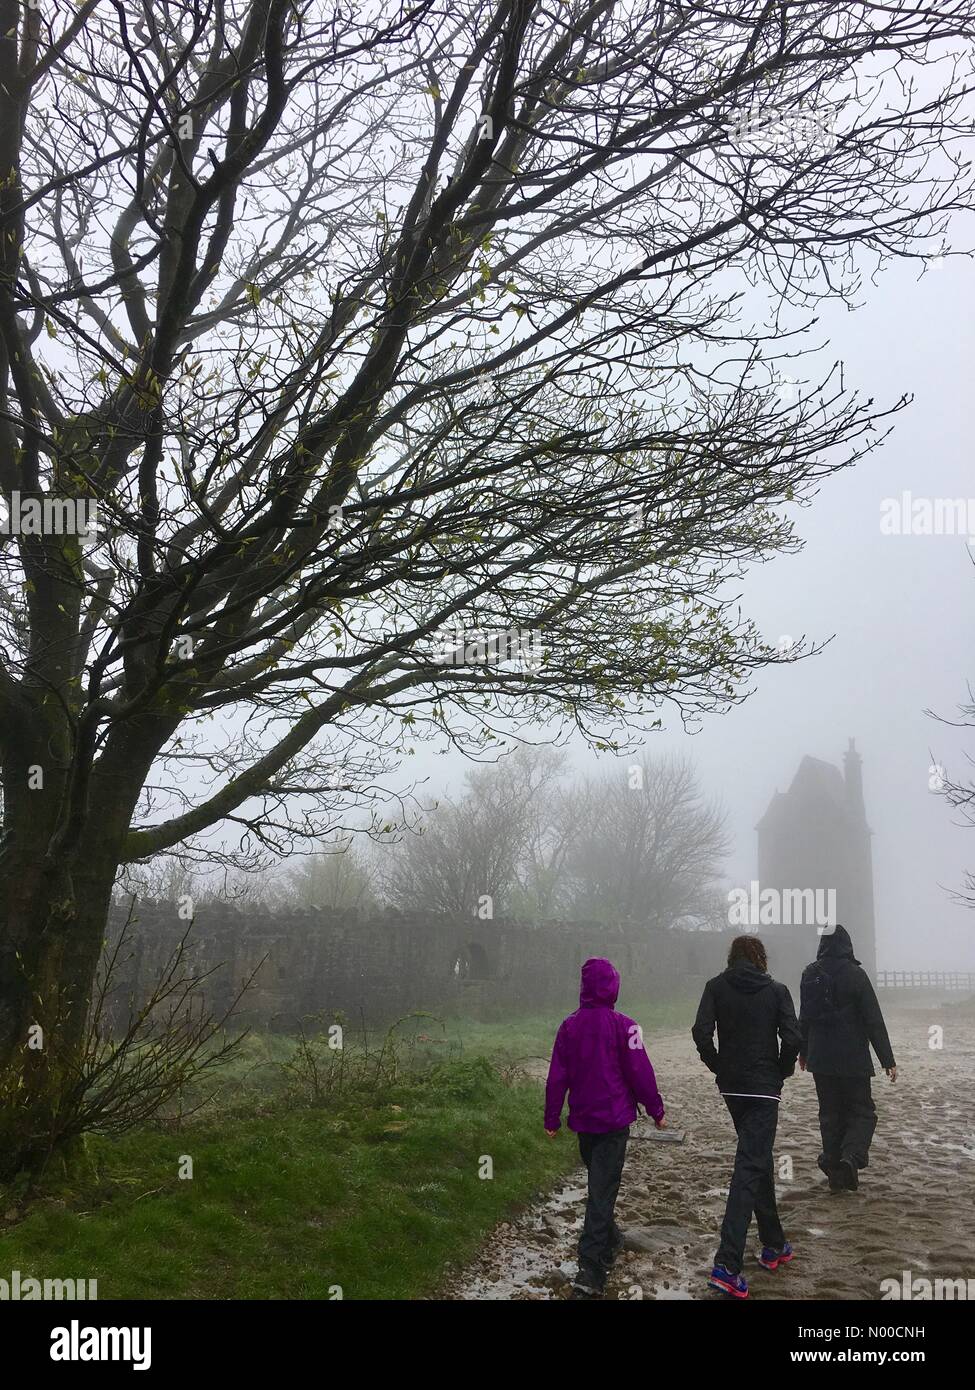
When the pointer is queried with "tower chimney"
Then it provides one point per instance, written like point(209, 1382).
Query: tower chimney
point(853, 777)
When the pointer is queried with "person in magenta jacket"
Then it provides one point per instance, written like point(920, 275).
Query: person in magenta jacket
point(600, 1060)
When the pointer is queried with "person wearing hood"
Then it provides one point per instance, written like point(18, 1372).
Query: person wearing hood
point(600, 1060)
point(840, 1020)
point(758, 1043)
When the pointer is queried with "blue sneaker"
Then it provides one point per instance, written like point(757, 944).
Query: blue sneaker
point(727, 1282)
point(771, 1259)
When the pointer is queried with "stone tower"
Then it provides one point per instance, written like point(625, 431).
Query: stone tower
point(815, 836)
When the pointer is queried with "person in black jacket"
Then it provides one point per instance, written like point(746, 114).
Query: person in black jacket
point(839, 1020)
point(752, 1013)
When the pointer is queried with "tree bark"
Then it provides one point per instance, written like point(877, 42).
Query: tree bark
point(51, 936)
point(53, 911)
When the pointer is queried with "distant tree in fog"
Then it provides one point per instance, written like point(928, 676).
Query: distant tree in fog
point(475, 847)
point(337, 876)
point(176, 878)
point(651, 849)
point(554, 821)
point(638, 844)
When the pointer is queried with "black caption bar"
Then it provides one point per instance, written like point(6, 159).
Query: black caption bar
point(169, 1339)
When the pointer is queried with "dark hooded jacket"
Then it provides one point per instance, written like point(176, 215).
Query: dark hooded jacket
point(599, 1058)
point(753, 1013)
point(838, 1043)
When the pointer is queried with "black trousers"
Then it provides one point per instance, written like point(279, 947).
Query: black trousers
point(847, 1118)
point(603, 1155)
point(752, 1188)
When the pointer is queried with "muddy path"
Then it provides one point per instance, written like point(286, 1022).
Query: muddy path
point(915, 1210)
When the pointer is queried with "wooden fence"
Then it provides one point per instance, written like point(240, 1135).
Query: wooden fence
point(926, 979)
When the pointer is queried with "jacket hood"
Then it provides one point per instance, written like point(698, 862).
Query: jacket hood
point(747, 977)
point(600, 983)
point(836, 945)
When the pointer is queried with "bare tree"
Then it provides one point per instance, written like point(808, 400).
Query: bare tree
point(467, 855)
point(553, 824)
point(653, 848)
point(363, 323)
point(337, 877)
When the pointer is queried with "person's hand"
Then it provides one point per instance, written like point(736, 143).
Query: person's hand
point(891, 1073)
point(551, 1133)
point(662, 1122)
point(802, 1064)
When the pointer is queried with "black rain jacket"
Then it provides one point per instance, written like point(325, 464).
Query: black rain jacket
point(752, 1013)
point(838, 1044)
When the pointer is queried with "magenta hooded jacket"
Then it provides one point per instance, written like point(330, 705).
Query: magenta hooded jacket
point(599, 1058)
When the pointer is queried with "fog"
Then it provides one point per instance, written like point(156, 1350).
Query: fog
point(487, 556)
point(899, 611)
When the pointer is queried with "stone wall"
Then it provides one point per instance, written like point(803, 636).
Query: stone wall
point(378, 968)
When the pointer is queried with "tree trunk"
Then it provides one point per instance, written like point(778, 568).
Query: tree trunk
point(53, 910)
point(54, 906)
point(50, 944)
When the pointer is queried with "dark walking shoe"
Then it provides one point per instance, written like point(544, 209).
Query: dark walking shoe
point(731, 1284)
point(589, 1282)
point(829, 1166)
point(847, 1173)
point(581, 1289)
point(615, 1250)
point(771, 1259)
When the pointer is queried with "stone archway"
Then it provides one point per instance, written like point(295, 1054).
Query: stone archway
point(471, 963)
